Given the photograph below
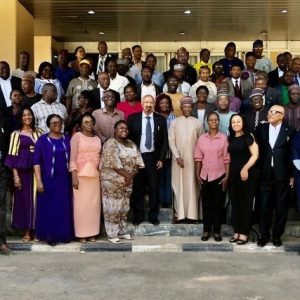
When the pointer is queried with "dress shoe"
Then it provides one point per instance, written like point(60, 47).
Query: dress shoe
point(262, 242)
point(205, 237)
point(154, 221)
point(52, 244)
point(277, 242)
point(137, 222)
point(217, 237)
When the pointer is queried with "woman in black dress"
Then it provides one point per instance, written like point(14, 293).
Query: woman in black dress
point(243, 152)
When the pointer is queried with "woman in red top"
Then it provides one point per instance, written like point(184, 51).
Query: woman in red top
point(131, 105)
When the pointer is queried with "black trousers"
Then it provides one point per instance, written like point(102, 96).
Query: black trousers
point(273, 196)
point(147, 177)
point(212, 204)
point(4, 178)
point(241, 195)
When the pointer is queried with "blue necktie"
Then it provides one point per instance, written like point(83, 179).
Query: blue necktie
point(148, 142)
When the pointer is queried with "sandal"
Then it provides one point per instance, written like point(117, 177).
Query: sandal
point(125, 236)
point(115, 241)
point(82, 240)
point(26, 239)
point(5, 250)
point(92, 239)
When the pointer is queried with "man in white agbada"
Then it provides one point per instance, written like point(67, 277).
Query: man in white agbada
point(183, 135)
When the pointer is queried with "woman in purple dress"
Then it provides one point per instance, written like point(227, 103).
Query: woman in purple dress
point(19, 159)
point(54, 222)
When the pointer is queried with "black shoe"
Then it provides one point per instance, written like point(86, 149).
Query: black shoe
point(137, 222)
point(217, 237)
point(277, 242)
point(262, 242)
point(233, 240)
point(241, 242)
point(154, 221)
point(52, 244)
point(205, 237)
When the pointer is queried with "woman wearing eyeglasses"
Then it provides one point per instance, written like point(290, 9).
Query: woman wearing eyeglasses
point(84, 165)
point(54, 220)
point(243, 152)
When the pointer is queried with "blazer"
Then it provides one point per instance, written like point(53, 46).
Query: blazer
point(281, 153)
point(158, 90)
point(209, 107)
point(160, 133)
point(95, 64)
point(15, 84)
point(245, 88)
point(274, 79)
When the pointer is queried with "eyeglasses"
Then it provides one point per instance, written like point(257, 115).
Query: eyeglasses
point(274, 112)
point(56, 123)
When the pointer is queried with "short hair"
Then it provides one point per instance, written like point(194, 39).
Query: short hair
point(230, 44)
point(258, 43)
point(235, 64)
point(280, 55)
point(102, 42)
point(119, 122)
point(159, 98)
point(24, 52)
point(20, 117)
point(86, 114)
point(151, 55)
point(135, 46)
point(15, 90)
point(146, 67)
point(202, 87)
point(130, 85)
point(88, 95)
point(77, 48)
point(50, 117)
point(107, 61)
point(63, 52)
point(250, 53)
point(202, 50)
point(47, 86)
point(43, 65)
point(204, 68)
point(212, 113)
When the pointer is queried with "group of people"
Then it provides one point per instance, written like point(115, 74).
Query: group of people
point(86, 139)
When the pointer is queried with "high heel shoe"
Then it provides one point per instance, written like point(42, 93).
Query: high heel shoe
point(233, 240)
point(242, 242)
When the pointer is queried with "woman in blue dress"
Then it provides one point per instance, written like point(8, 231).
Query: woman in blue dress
point(54, 221)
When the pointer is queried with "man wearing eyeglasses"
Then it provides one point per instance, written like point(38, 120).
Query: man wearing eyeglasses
point(275, 175)
point(263, 63)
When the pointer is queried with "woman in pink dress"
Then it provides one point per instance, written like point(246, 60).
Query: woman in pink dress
point(84, 165)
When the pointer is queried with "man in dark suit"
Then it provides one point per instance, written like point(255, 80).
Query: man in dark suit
point(271, 95)
point(99, 65)
point(7, 84)
point(147, 86)
point(275, 175)
point(275, 75)
point(103, 85)
point(148, 130)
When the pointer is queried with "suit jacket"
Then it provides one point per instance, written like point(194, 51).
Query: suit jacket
point(95, 64)
point(15, 84)
point(160, 133)
point(274, 79)
point(158, 90)
point(96, 97)
point(209, 107)
point(281, 153)
point(272, 97)
point(245, 87)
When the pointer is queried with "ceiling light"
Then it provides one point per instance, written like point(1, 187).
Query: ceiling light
point(284, 11)
point(101, 32)
point(187, 12)
point(264, 32)
point(91, 12)
point(182, 32)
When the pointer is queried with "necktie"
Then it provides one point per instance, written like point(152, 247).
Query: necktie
point(256, 119)
point(101, 64)
point(296, 80)
point(237, 90)
point(148, 142)
point(237, 84)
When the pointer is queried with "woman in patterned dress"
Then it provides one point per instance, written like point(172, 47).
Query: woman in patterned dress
point(121, 160)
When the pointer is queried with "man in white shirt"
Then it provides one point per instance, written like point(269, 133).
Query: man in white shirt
point(24, 61)
point(103, 55)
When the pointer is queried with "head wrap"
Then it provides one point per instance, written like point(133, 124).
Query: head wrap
point(186, 100)
point(178, 67)
point(223, 92)
point(28, 77)
point(85, 61)
point(294, 87)
point(122, 61)
point(256, 92)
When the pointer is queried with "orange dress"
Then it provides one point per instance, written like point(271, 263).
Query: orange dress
point(85, 159)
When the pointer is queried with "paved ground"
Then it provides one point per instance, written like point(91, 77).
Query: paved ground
point(143, 276)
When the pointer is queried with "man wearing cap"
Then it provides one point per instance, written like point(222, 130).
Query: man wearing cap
point(230, 59)
point(30, 96)
point(258, 113)
point(184, 132)
point(79, 84)
point(190, 74)
point(123, 69)
point(276, 175)
point(183, 86)
point(172, 84)
point(262, 63)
